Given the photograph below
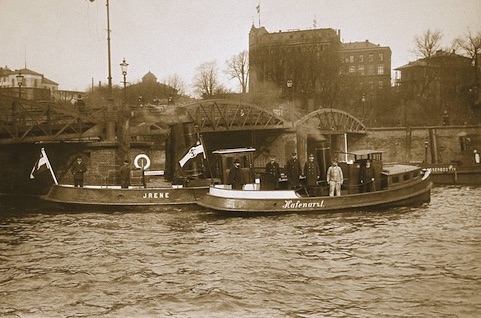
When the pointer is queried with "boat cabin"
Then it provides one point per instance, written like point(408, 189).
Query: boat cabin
point(353, 167)
point(224, 161)
point(385, 175)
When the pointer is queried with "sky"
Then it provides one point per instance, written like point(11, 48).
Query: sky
point(66, 40)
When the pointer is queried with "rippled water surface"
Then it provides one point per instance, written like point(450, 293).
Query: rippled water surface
point(407, 262)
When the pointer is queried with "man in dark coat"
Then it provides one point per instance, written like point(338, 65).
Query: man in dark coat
point(124, 175)
point(78, 170)
point(293, 172)
point(311, 171)
point(236, 176)
point(272, 168)
point(366, 178)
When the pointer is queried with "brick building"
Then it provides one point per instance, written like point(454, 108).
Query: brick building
point(315, 67)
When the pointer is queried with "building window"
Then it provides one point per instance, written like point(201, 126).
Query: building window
point(370, 70)
point(360, 69)
point(371, 85)
point(352, 69)
point(371, 57)
point(380, 70)
point(361, 58)
point(380, 85)
point(351, 59)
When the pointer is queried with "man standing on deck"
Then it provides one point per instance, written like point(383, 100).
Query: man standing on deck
point(335, 178)
point(366, 178)
point(78, 170)
point(124, 175)
point(293, 172)
point(272, 168)
point(236, 176)
point(311, 172)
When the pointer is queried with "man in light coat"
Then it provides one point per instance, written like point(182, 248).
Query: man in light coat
point(335, 178)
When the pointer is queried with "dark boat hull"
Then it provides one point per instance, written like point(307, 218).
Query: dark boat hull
point(103, 197)
point(445, 174)
point(416, 193)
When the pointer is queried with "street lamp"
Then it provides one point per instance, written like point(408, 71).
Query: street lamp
point(110, 125)
point(363, 100)
point(123, 67)
point(289, 88)
point(426, 152)
point(20, 78)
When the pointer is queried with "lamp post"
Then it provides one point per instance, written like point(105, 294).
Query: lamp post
point(426, 152)
point(123, 121)
point(20, 78)
point(363, 101)
point(289, 89)
point(123, 67)
point(110, 125)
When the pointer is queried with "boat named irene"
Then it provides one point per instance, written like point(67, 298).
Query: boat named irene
point(104, 196)
point(136, 194)
point(398, 185)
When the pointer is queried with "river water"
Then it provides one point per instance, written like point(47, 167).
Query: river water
point(405, 262)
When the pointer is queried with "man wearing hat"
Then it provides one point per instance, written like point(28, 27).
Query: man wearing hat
point(311, 171)
point(236, 176)
point(272, 168)
point(78, 170)
point(124, 175)
point(293, 172)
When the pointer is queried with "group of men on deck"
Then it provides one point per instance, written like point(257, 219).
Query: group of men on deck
point(311, 172)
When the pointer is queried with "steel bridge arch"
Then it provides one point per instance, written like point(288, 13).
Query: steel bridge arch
point(332, 121)
point(218, 115)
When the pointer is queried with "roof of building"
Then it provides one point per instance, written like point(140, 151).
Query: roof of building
point(361, 45)
point(423, 62)
point(149, 77)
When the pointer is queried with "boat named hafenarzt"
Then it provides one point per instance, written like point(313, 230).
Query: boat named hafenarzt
point(392, 185)
point(289, 204)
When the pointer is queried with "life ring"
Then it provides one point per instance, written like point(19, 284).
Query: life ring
point(137, 161)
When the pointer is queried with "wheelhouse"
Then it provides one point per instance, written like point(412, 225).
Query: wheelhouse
point(224, 161)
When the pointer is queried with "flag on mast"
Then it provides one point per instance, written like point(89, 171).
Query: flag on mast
point(196, 149)
point(42, 165)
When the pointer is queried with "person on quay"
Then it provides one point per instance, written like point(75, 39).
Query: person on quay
point(124, 175)
point(366, 178)
point(78, 170)
point(272, 168)
point(311, 172)
point(236, 176)
point(335, 178)
point(477, 158)
point(293, 172)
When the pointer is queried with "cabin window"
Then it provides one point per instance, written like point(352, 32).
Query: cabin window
point(407, 177)
point(395, 179)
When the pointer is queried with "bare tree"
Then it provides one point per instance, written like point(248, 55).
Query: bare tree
point(470, 44)
point(428, 43)
point(238, 68)
point(176, 83)
point(206, 80)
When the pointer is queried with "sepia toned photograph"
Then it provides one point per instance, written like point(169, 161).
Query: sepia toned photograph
point(258, 158)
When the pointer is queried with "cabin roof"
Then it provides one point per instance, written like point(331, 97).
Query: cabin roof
point(398, 169)
point(233, 150)
point(364, 152)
